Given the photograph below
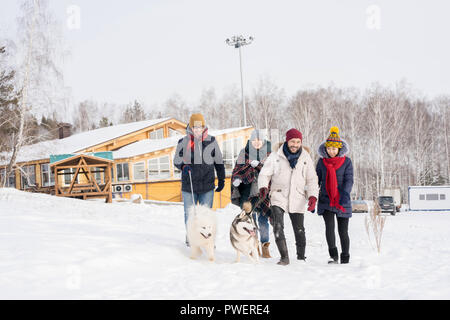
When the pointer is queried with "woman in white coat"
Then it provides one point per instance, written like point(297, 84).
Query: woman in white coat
point(294, 185)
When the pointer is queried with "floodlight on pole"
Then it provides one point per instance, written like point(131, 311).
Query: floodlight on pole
point(238, 42)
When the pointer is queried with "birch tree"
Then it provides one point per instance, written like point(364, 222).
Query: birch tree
point(41, 58)
point(303, 110)
point(266, 106)
point(208, 106)
point(33, 12)
point(442, 133)
point(176, 107)
point(230, 106)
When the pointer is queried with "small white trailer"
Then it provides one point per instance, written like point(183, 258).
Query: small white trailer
point(429, 198)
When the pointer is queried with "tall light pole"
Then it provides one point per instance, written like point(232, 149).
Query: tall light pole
point(238, 42)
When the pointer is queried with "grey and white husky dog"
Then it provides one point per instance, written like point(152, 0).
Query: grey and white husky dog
point(243, 234)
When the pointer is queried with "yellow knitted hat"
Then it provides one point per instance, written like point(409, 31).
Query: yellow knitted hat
point(196, 120)
point(334, 140)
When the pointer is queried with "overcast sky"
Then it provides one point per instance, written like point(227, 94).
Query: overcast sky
point(150, 50)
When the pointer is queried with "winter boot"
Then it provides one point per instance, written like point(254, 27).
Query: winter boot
point(282, 247)
point(345, 258)
point(334, 256)
point(301, 253)
point(265, 250)
point(283, 261)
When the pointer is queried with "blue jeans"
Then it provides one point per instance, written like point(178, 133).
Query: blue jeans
point(205, 199)
point(263, 225)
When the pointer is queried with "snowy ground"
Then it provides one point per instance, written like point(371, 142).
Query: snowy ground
point(57, 248)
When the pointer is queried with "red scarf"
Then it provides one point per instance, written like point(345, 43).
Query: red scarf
point(191, 142)
point(332, 164)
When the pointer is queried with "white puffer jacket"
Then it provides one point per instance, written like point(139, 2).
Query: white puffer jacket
point(291, 188)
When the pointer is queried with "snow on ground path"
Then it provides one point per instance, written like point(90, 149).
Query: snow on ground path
point(59, 248)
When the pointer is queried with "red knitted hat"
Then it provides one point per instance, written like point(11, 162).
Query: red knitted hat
point(293, 134)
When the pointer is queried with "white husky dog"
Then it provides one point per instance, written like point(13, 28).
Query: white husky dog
point(201, 231)
point(243, 234)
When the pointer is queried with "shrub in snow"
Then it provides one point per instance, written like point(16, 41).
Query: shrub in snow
point(375, 224)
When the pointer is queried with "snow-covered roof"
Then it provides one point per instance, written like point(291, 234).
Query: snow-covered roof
point(215, 133)
point(145, 146)
point(84, 140)
point(152, 145)
point(80, 141)
point(88, 139)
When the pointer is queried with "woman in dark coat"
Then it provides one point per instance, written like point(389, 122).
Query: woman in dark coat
point(335, 172)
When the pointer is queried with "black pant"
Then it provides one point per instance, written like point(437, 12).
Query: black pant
point(328, 216)
point(297, 220)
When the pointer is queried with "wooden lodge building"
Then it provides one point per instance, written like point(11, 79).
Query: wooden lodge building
point(116, 162)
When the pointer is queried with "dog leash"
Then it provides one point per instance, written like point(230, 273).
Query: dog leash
point(192, 190)
point(256, 205)
point(253, 209)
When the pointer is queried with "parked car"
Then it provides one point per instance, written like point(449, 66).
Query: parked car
point(360, 206)
point(387, 204)
point(396, 194)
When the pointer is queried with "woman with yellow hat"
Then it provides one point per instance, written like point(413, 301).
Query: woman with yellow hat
point(335, 172)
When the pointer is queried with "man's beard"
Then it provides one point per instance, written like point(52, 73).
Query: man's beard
point(294, 149)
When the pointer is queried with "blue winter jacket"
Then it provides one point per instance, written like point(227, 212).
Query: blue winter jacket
point(344, 177)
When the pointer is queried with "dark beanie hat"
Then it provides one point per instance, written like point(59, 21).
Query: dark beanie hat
point(293, 134)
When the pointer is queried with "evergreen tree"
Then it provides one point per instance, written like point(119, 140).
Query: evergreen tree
point(104, 122)
point(133, 113)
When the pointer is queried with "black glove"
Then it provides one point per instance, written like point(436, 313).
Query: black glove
point(220, 185)
point(186, 169)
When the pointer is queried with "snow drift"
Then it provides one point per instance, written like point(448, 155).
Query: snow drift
point(59, 248)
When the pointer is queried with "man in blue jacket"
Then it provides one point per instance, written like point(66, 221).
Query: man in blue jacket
point(197, 156)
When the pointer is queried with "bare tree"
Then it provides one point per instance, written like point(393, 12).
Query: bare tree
point(19, 138)
point(266, 105)
point(133, 113)
point(421, 141)
point(230, 106)
point(442, 112)
point(38, 74)
point(86, 116)
point(302, 107)
point(380, 124)
point(209, 107)
point(43, 60)
point(176, 107)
